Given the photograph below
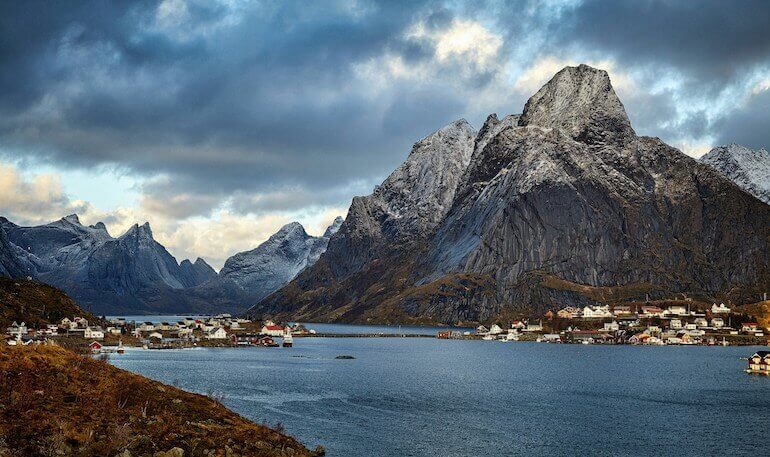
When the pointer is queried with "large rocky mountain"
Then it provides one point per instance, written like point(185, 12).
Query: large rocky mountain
point(561, 205)
point(277, 261)
point(748, 168)
point(134, 274)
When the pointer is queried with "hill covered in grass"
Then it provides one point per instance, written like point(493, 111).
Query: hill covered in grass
point(54, 402)
point(36, 304)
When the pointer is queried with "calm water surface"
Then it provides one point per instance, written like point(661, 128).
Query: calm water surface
point(428, 397)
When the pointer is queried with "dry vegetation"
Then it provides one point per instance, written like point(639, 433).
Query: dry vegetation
point(54, 402)
point(35, 303)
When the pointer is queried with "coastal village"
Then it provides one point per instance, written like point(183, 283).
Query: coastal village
point(647, 324)
point(220, 330)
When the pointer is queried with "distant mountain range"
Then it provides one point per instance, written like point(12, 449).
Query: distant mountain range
point(561, 205)
point(135, 274)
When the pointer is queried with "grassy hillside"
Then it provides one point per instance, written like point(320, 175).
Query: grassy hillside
point(35, 303)
point(54, 402)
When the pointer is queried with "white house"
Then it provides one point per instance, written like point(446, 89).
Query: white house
point(17, 330)
point(65, 323)
point(495, 330)
point(93, 333)
point(676, 323)
point(216, 334)
point(235, 325)
point(701, 322)
point(677, 310)
point(534, 327)
point(717, 322)
point(596, 312)
point(146, 327)
point(156, 335)
point(611, 326)
point(719, 309)
point(113, 330)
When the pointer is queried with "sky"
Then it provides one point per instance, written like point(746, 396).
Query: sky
point(220, 121)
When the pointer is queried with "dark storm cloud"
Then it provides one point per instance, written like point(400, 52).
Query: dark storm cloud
point(260, 98)
point(750, 123)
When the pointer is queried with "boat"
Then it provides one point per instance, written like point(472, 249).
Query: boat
point(724, 342)
point(288, 341)
point(121, 349)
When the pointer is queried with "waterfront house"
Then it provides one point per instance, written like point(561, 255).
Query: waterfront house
point(717, 322)
point(760, 362)
point(481, 330)
point(675, 324)
point(534, 327)
point(272, 330)
point(93, 333)
point(495, 330)
point(146, 327)
point(218, 333)
point(611, 326)
point(719, 309)
point(95, 347)
point(267, 342)
point(518, 325)
point(750, 327)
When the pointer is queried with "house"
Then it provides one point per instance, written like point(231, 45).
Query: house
point(235, 325)
point(65, 323)
point(156, 335)
point(17, 330)
point(95, 347)
point(717, 322)
point(495, 330)
point(759, 362)
point(267, 342)
point(113, 330)
point(677, 310)
point(651, 311)
point(93, 333)
point(701, 322)
point(690, 326)
point(570, 312)
point(184, 331)
point(518, 325)
point(622, 310)
point(481, 330)
point(750, 327)
point(534, 328)
point(596, 312)
point(272, 330)
point(676, 324)
point(146, 327)
point(52, 329)
point(218, 333)
point(719, 309)
point(298, 329)
point(611, 326)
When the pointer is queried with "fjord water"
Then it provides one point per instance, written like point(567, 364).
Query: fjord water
point(427, 397)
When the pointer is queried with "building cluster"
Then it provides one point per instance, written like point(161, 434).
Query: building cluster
point(20, 334)
point(648, 324)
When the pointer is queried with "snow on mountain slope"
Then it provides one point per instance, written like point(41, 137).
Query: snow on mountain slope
point(748, 168)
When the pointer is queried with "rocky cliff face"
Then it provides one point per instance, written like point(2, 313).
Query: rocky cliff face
point(562, 205)
point(748, 168)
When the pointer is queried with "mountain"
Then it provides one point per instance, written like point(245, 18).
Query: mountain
point(562, 205)
point(132, 273)
point(36, 304)
point(748, 168)
point(276, 261)
point(197, 273)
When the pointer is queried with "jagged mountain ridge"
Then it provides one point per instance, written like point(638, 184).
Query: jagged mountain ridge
point(554, 205)
point(748, 168)
point(135, 274)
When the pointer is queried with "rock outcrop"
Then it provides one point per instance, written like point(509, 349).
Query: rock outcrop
point(194, 274)
point(562, 205)
point(747, 168)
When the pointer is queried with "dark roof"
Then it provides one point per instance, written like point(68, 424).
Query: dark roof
point(762, 353)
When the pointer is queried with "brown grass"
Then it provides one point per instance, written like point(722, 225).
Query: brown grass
point(54, 400)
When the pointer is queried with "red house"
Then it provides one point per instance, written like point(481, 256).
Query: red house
point(96, 347)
